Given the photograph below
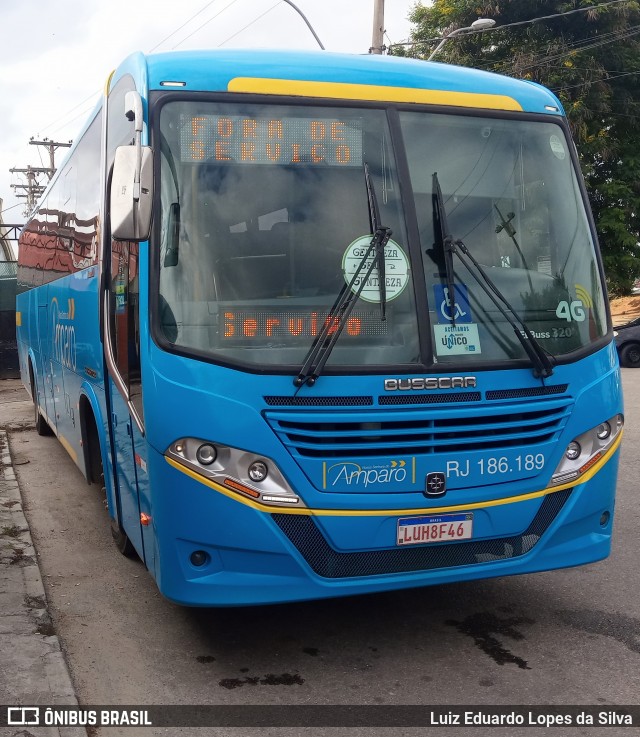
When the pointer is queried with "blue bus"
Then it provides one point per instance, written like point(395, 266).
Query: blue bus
point(324, 324)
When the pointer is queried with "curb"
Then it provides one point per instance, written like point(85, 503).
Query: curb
point(34, 671)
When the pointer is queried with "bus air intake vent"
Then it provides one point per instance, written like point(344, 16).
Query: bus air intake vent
point(303, 532)
point(284, 401)
point(439, 429)
point(387, 399)
point(534, 391)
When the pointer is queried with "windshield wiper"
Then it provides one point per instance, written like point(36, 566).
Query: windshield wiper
point(374, 219)
point(349, 294)
point(543, 366)
point(444, 241)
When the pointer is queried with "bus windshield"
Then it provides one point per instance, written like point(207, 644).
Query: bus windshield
point(511, 195)
point(264, 219)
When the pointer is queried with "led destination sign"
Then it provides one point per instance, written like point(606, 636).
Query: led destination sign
point(255, 326)
point(237, 139)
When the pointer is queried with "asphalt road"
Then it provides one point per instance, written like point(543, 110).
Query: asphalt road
point(563, 637)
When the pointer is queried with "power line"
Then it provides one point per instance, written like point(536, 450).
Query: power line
point(578, 46)
point(13, 207)
point(523, 22)
point(186, 23)
point(594, 81)
point(559, 15)
point(621, 36)
point(255, 20)
point(75, 107)
point(608, 114)
point(204, 24)
point(81, 115)
point(97, 92)
point(569, 48)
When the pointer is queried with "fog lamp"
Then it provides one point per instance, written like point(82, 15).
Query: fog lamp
point(198, 558)
point(258, 471)
point(573, 450)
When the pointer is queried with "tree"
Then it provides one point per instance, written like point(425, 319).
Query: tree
point(590, 60)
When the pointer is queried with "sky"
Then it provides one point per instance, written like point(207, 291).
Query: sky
point(55, 56)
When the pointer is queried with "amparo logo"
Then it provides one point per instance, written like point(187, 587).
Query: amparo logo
point(63, 334)
point(354, 475)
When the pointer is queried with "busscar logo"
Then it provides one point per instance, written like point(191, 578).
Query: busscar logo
point(423, 383)
point(23, 716)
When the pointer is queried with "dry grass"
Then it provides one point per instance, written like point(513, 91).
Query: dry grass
point(624, 309)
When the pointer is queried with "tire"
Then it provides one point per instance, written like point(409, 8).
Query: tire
point(96, 474)
point(630, 355)
point(42, 426)
point(121, 540)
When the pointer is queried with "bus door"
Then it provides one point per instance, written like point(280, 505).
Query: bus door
point(126, 399)
point(44, 373)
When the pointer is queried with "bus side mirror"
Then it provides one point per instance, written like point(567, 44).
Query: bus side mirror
point(131, 193)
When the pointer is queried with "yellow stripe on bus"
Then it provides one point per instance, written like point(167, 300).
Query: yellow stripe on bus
point(372, 92)
point(68, 447)
point(398, 512)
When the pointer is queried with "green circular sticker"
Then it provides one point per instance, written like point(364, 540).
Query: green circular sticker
point(396, 268)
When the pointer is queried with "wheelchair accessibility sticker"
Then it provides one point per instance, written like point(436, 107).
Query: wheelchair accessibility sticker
point(461, 338)
point(460, 311)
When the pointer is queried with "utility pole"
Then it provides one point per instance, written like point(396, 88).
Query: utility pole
point(377, 40)
point(33, 188)
point(51, 147)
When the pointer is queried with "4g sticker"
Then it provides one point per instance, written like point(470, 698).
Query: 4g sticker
point(571, 311)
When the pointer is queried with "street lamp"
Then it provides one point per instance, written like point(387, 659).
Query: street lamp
point(478, 25)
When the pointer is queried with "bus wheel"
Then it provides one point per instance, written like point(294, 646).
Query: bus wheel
point(122, 541)
point(97, 477)
point(42, 427)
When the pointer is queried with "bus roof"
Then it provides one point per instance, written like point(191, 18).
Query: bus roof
point(343, 76)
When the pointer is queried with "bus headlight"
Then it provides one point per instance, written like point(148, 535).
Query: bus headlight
point(586, 450)
point(206, 454)
point(235, 470)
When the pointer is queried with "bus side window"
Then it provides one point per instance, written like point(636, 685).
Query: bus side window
point(125, 318)
point(124, 282)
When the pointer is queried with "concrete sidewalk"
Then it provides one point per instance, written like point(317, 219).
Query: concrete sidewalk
point(33, 670)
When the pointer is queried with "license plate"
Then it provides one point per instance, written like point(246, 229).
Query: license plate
point(435, 529)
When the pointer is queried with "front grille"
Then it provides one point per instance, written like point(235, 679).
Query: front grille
point(303, 532)
point(437, 429)
point(533, 391)
point(387, 399)
point(313, 401)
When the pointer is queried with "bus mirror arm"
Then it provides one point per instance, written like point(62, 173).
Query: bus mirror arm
point(133, 111)
point(132, 180)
